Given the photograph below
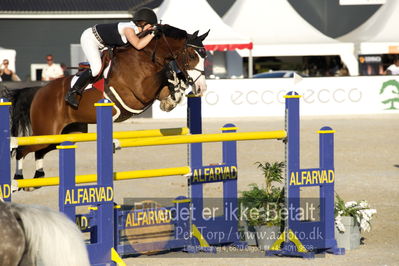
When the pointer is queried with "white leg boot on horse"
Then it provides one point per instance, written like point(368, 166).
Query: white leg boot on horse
point(77, 89)
point(18, 174)
point(39, 172)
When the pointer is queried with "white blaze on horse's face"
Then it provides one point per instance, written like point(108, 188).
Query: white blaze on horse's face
point(199, 87)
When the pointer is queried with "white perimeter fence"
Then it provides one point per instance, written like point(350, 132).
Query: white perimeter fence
point(321, 96)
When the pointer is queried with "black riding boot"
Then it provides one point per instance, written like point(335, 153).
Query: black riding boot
point(84, 79)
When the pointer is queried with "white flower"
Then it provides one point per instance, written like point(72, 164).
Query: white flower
point(364, 204)
point(370, 212)
point(361, 213)
point(365, 225)
point(350, 204)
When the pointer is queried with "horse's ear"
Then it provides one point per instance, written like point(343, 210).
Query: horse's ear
point(203, 36)
point(195, 34)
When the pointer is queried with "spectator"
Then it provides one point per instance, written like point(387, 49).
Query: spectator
point(394, 68)
point(51, 71)
point(7, 74)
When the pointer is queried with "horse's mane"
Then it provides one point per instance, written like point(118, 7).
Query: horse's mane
point(173, 32)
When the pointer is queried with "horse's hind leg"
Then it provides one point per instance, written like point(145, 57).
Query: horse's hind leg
point(39, 172)
point(39, 155)
point(19, 158)
point(42, 150)
point(20, 155)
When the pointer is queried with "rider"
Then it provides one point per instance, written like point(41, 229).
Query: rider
point(115, 34)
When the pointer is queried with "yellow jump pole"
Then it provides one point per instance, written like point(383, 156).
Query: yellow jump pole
point(151, 173)
point(82, 137)
point(169, 140)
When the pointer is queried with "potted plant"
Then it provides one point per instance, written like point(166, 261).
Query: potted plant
point(263, 207)
point(250, 201)
point(351, 218)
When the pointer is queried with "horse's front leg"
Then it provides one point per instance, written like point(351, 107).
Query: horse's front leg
point(176, 88)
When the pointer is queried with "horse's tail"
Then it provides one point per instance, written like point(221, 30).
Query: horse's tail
point(21, 100)
point(51, 237)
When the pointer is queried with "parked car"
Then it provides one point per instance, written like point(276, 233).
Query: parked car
point(276, 74)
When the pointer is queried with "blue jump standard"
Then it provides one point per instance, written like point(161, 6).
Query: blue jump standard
point(307, 238)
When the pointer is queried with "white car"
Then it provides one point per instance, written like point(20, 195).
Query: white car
point(276, 74)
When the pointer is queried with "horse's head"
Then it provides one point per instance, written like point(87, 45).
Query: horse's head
point(188, 53)
point(197, 53)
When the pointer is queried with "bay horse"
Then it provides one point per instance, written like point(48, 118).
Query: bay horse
point(33, 235)
point(134, 80)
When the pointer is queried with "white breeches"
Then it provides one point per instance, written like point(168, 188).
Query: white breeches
point(91, 48)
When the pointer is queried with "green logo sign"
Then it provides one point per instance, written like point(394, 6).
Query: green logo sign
point(394, 84)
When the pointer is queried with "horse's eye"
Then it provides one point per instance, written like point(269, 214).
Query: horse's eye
point(192, 56)
point(202, 52)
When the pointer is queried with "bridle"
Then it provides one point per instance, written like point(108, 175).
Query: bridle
point(202, 53)
point(186, 60)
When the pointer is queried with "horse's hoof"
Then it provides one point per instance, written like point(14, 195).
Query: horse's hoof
point(39, 174)
point(18, 177)
point(30, 189)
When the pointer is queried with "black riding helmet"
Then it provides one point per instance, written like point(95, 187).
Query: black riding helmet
point(145, 14)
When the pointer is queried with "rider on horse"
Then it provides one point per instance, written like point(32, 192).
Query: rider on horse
point(99, 36)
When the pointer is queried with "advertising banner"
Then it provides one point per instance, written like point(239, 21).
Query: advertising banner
point(320, 96)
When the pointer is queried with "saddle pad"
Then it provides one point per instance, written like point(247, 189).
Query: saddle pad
point(98, 85)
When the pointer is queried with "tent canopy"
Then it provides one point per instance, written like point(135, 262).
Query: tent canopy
point(276, 29)
point(196, 15)
point(379, 34)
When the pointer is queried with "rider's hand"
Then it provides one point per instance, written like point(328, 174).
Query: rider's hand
point(157, 31)
point(147, 27)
